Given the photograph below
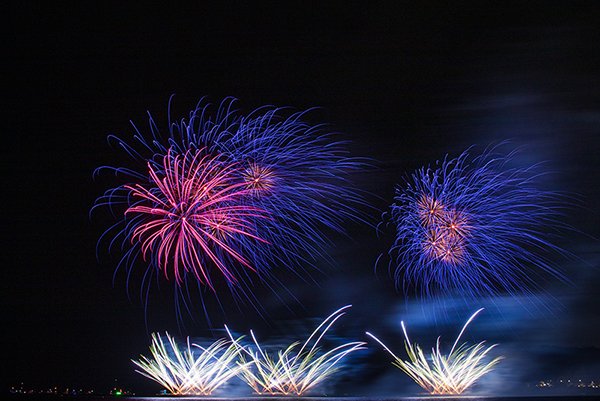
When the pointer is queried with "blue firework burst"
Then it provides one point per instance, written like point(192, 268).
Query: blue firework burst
point(295, 173)
point(298, 172)
point(474, 224)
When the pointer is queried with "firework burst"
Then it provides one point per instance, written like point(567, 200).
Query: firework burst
point(189, 210)
point(442, 374)
point(279, 187)
point(297, 172)
point(296, 369)
point(196, 370)
point(473, 224)
point(185, 219)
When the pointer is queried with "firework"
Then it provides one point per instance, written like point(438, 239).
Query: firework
point(278, 187)
point(442, 374)
point(196, 370)
point(297, 368)
point(473, 224)
point(188, 217)
point(187, 212)
point(296, 171)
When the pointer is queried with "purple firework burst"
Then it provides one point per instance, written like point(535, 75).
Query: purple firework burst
point(474, 224)
point(298, 172)
point(279, 166)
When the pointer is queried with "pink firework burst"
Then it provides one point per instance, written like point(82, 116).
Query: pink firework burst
point(192, 216)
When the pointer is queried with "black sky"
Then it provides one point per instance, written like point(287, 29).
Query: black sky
point(407, 84)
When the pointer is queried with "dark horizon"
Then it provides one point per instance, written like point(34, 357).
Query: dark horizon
point(405, 84)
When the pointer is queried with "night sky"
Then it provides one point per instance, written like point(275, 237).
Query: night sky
point(405, 84)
